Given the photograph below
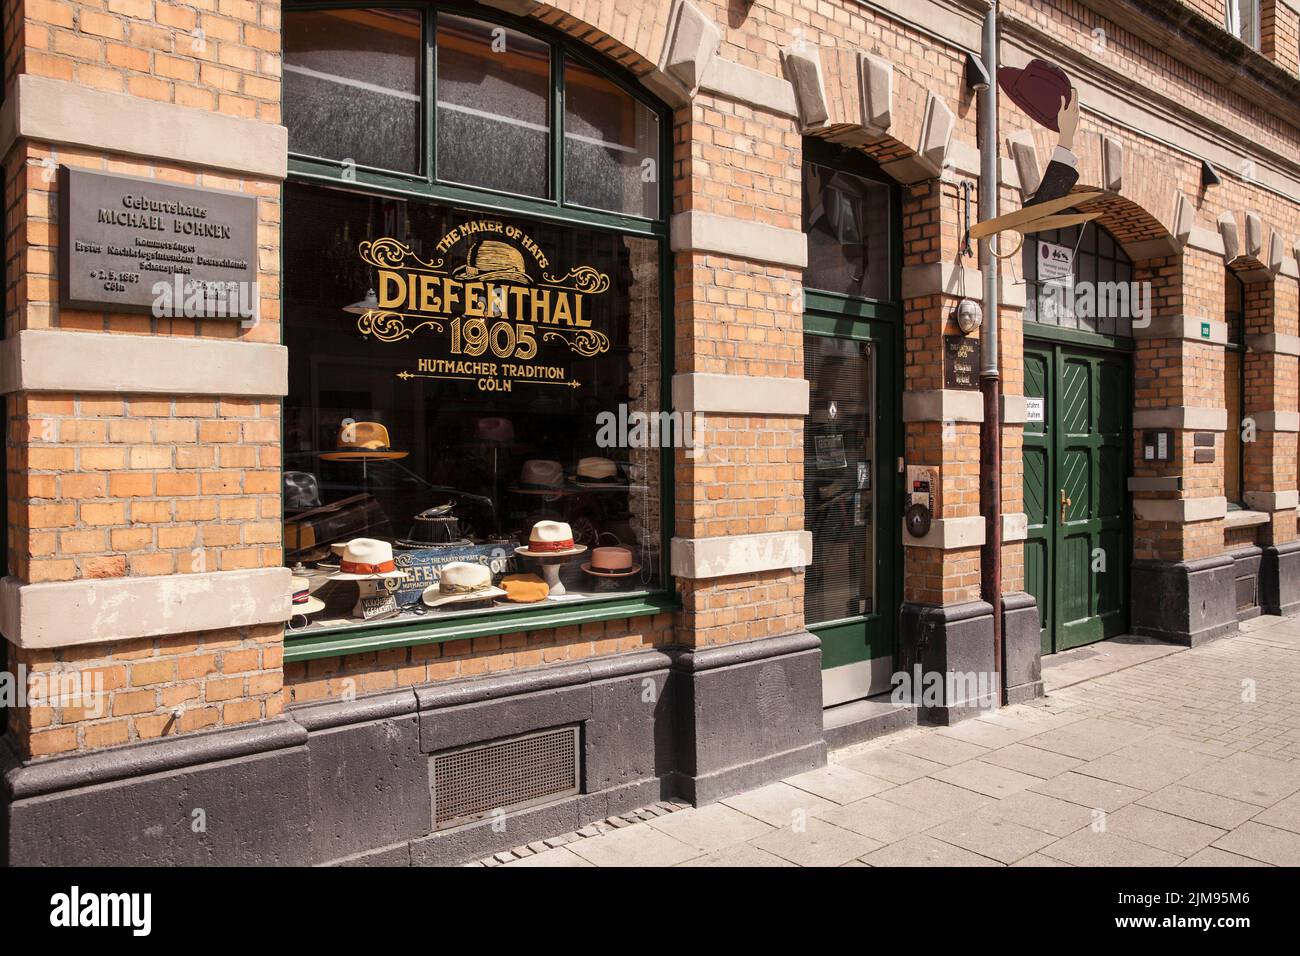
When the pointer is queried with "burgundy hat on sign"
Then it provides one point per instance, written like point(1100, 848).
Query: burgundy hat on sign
point(1038, 89)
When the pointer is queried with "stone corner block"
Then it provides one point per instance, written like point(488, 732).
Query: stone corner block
point(66, 613)
point(701, 392)
point(729, 555)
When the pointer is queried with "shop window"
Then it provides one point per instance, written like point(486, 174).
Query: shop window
point(475, 377)
point(1243, 21)
point(1080, 278)
point(847, 220)
point(494, 123)
point(352, 86)
point(1234, 386)
point(609, 146)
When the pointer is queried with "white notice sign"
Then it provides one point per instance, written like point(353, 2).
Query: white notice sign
point(1033, 409)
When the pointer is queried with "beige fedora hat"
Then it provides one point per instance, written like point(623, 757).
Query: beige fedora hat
point(540, 476)
point(367, 559)
point(461, 582)
point(551, 539)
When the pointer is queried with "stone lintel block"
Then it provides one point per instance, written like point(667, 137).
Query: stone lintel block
point(804, 71)
point(690, 46)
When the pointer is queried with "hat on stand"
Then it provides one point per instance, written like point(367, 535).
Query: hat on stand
point(363, 441)
point(495, 430)
point(300, 594)
point(611, 562)
point(433, 528)
point(367, 559)
point(540, 476)
point(550, 539)
point(597, 471)
point(461, 582)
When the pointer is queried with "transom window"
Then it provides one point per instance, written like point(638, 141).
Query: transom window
point(377, 93)
point(1080, 278)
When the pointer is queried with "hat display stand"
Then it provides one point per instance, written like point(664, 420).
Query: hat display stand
point(550, 569)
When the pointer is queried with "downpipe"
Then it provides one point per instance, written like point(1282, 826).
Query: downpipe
point(990, 378)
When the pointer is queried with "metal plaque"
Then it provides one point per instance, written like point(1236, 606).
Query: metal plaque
point(960, 362)
point(124, 242)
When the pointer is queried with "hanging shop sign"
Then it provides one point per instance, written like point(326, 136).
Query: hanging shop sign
point(504, 317)
point(131, 244)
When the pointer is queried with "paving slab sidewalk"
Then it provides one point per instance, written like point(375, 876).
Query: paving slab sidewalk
point(1141, 755)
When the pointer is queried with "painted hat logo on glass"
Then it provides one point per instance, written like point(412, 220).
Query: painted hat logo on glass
point(490, 259)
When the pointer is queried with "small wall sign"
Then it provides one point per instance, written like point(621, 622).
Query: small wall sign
point(122, 237)
point(960, 362)
point(1033, 409)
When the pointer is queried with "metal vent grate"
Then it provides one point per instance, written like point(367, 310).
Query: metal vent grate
point(472, 782)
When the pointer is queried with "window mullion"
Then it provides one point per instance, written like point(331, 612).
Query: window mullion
point(557, 124)
point(431, 96)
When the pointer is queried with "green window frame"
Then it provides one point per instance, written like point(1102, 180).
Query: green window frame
point(426, 186)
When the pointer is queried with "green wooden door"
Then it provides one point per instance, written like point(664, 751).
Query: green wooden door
point(851, 435)
point(1076, 453)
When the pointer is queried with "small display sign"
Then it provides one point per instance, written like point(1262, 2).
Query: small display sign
point(1055, 262)
point(1033, 409)
point(830, 452)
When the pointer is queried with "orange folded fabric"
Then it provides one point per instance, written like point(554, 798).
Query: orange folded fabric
point(524, 588)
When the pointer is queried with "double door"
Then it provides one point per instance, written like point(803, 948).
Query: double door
point(1077, 448)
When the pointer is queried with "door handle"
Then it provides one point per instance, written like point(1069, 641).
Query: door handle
point(1065, 503)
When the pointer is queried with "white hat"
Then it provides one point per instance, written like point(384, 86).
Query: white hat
point(367, 559)
point(551, 539)
point(461, 581)
point(540, 476)
point(301, 600)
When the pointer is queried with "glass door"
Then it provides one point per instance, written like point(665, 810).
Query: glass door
point(850, 503)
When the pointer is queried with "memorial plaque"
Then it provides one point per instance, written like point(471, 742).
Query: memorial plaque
point(123, 239)
point(960, 362)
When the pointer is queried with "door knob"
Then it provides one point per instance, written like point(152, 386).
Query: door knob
point(1065, 503)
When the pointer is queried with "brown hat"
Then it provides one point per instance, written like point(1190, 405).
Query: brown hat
point(1038, 89)
point(363, 441)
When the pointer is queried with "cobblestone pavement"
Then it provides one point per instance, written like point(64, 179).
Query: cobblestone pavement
point(1188, 758)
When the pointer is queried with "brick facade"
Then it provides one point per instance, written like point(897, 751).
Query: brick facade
point(131, 484)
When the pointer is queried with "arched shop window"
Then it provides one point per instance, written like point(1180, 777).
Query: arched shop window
point(1080, 278)
point(474, 287)
point(1234, 385)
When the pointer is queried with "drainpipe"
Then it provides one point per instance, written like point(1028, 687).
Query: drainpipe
point(990, 381)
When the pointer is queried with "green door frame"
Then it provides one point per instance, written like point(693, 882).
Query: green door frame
point(1046, 529)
